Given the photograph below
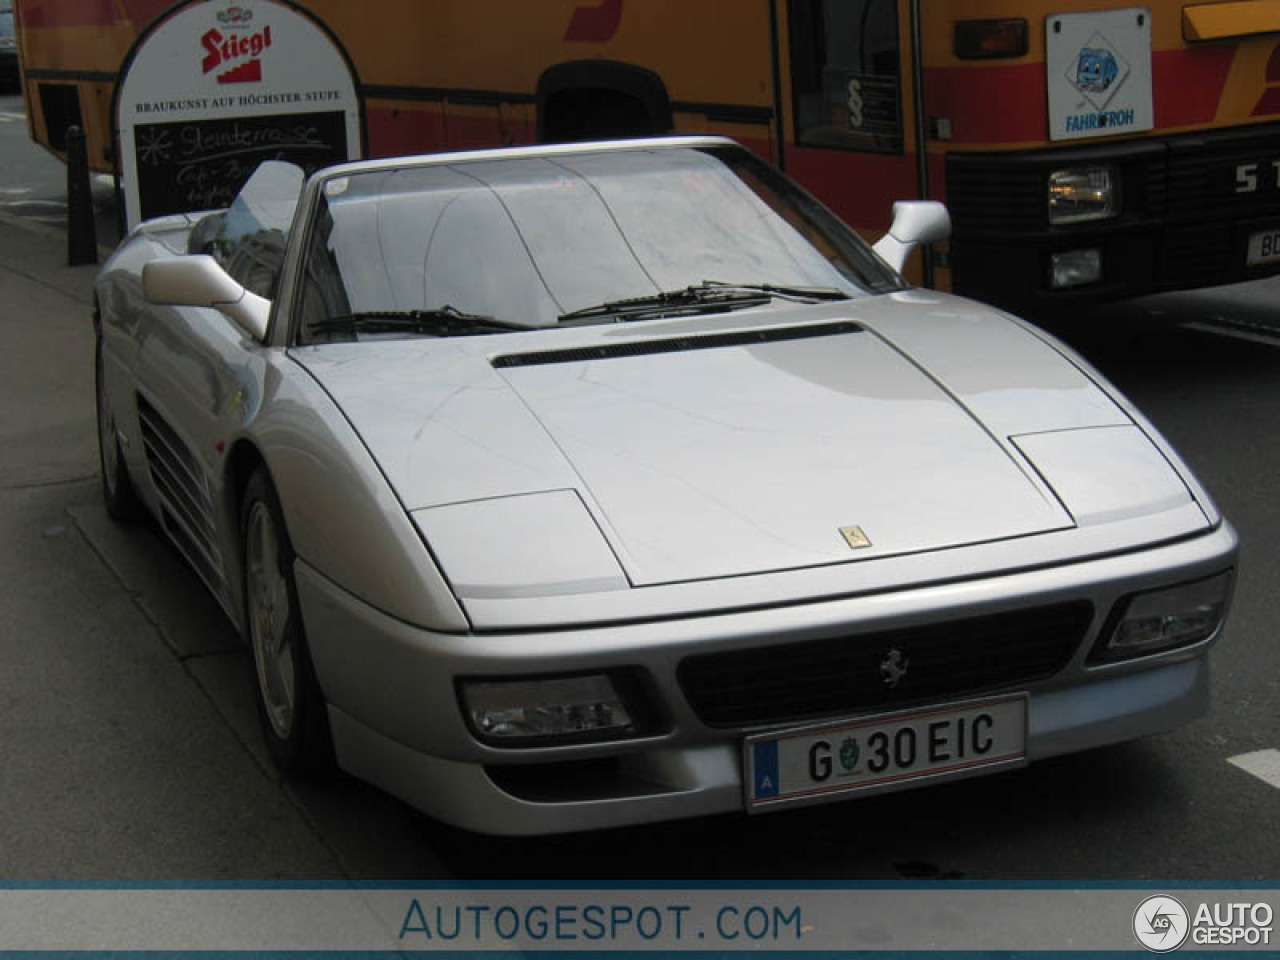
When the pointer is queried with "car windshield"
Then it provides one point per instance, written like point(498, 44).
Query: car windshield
point(6, 23)
point(591, 237)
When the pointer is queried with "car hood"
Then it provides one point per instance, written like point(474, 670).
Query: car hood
point(737, 444)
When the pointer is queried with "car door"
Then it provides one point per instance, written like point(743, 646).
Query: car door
point(201, 376)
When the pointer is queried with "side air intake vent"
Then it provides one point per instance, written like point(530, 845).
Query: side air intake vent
point(184, 494)
point(739, 338)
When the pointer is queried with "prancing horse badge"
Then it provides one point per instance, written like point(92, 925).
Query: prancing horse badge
point(855, 538)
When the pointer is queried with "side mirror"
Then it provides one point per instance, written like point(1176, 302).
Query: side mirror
point(198, 281)
point(914, 222)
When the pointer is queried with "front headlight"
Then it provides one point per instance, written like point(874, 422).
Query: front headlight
point(545, 711)
point(1165, 620)
point(1078, 194)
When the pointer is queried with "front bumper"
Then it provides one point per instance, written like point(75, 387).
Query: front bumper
point(396, 720)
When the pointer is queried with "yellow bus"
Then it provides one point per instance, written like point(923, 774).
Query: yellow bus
point(1087, 149)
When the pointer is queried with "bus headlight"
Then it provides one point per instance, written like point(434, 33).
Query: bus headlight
point(1078, 194)
point(1165, 619)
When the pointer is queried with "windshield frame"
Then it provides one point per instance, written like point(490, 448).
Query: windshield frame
point(875, 276)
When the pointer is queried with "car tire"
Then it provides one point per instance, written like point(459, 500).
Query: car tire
point(118, 495)
point(291, 707)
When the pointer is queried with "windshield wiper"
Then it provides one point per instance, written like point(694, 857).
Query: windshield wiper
point(800, 294)
point(709, 296)
point(446, 321)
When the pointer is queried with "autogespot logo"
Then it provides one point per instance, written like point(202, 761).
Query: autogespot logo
point(1161, 923)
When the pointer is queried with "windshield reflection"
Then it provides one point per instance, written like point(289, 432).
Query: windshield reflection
point(529, 239)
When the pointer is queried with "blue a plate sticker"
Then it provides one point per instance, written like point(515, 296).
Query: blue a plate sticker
point(765, 769)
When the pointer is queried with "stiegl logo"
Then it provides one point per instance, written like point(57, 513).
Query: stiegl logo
point(1161, 923)
point(238, 49)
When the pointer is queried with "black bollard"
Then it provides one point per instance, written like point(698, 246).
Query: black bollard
point(82, 232)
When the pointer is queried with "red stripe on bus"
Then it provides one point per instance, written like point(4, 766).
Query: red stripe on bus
point(1270, 102)
point(142, 12)
point(1273, 66)
point(394, 132)
point(35, 14)
point(1009, 104)
point(1188, 84)
point(1004, 104)
point(858, 187)
point(595, 24)
point(38, 14)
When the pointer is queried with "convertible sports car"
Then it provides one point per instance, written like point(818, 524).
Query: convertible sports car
point(573, 486)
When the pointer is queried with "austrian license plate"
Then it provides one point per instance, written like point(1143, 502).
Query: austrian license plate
point(1264, 247)
point(885, 752)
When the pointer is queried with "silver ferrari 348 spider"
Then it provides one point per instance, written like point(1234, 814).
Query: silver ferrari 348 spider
point(565, 487)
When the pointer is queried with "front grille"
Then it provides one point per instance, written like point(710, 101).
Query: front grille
point(1183, 180)
point(1202, 175)
point(1199, 256)
point(1004, 196)
point(842, 675)
point(987, 195)
point(1186, 219)
point(1209, 217)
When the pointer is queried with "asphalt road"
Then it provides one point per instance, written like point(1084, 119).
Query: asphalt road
point(130, 749)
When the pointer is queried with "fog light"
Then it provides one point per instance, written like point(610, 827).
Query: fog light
point(1075, 268)
point(1082, 193)
point(512, 712)
point(1166, 619)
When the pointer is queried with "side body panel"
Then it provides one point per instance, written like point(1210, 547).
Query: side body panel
point(201, 403)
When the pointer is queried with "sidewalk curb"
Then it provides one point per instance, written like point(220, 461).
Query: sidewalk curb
point(45, 230)
point(37, 252)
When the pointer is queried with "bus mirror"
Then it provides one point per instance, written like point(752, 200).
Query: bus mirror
point(914, 222)
point(199, 281)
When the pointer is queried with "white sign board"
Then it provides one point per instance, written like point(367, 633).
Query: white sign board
point(1099, 72)
point(215, 88)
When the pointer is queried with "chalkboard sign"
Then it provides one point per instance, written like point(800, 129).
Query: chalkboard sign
point(212, 88)
point(201, 164)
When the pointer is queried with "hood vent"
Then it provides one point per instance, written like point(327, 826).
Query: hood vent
point(739, 338)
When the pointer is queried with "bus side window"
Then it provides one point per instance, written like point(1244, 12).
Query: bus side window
point(845, 74)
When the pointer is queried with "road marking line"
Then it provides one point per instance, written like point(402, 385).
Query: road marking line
point(1256, 334)
point(1263, 764)
point(12, 117)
